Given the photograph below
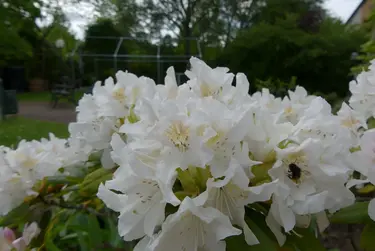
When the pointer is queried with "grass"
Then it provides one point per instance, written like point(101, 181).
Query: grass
point(42, 96)
point(14, 129)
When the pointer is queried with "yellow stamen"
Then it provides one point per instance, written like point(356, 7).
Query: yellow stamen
point(178, 134)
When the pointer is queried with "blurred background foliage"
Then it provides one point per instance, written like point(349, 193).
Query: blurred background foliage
point(269, 40)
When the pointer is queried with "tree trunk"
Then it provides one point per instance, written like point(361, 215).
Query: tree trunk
point(187, 41)
point(187, 30)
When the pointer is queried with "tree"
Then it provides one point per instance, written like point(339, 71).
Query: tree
point(125, 14)
point(17, 23)
point(210, 20)
point(128, 17)
point(319, 60)
point(366, 52)
point(271, 10)
point(95, 45)
point(58, 30)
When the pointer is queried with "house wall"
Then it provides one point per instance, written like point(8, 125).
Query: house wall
point(362, 13)
point(366, 10)
point(357, 18)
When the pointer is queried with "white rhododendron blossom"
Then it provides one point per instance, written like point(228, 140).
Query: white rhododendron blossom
point(110, 106)
point(364, 162)
point(189, 165)
point(209, 146)
point(21, 168)
point(363, 92)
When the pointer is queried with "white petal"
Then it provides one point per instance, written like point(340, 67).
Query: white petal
point(322, 221)
point(19, 244)
point(106, 159)
point(355, 182)
point(131, 225)
point(30, 232)
point(371, 175)
point(276, 229)
point(133, 129)
point(242, 84)
point(371, 209)
point(214, 246)
point(114, 201)
point(222, 225)
point(153, 218)
point(201, 199)
point(303, 221)
point(143, 244)
point(250, 237)
point(234, 173)
point(312, 204)
point(167, 179)
point(238, 132)
point(194, 227)
point(262, 192)
point(117, 142)
point(287, 217)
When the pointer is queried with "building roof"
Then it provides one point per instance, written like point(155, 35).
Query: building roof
point(355, 11)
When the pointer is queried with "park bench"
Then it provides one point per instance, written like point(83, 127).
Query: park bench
point(8, 102)
point(64, 89)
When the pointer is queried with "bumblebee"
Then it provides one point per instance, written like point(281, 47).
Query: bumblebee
point(294, 172)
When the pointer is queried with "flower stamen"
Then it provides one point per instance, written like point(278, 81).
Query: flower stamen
point(178, 134)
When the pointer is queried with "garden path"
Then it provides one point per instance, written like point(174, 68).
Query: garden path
point(63, 113)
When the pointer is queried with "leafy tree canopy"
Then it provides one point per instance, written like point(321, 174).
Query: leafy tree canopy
point(17, 24)
point(320, 60)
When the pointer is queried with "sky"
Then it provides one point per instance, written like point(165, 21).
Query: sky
point(342, 8)
point(79, 17)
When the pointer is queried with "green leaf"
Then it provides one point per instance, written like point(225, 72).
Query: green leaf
point(56, 180)
point(95, 175)
point(83, 243)
point(53, 230)
point(256, 222)
point(187, 181)
point(92, 188)
point(94, 231)
point(16, 215)
point(367, 238)
point(50, 245)
point(369, 188)
point(355, 214)
point(70, 236)
point(237, 243)
point(371, 123)
point(45, 218)
point(92, 181)
point(306, 240)
point(114, 237)
point(260, 172)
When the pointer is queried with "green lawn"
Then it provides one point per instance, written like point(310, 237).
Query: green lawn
point(13, 129)
point(42, 96)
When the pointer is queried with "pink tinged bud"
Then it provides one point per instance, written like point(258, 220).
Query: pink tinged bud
point(9, 235)
point(19, 244)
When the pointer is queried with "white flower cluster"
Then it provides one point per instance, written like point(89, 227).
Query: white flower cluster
point(30, 162)
point(208, 149)
point(191, 158)
point(103, 113)
point(363, 102)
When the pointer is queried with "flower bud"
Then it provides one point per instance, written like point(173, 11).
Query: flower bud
point(20, 244)
point(9, 235)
